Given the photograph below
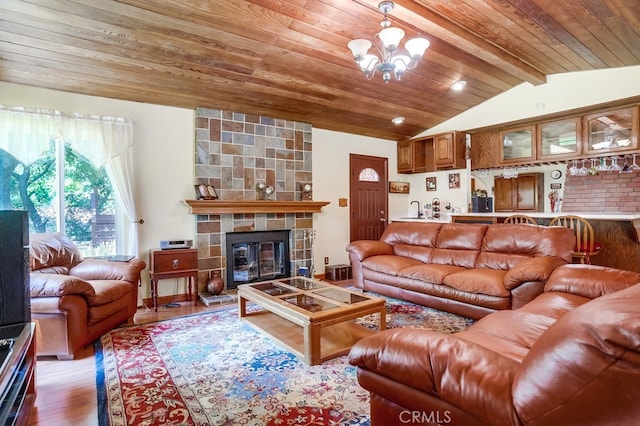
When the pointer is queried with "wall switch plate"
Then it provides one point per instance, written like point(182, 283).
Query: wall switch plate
point(326, 260)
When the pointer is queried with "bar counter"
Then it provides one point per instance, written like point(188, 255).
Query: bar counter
point(617, 233)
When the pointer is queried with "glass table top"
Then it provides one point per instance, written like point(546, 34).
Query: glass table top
point(310, 303)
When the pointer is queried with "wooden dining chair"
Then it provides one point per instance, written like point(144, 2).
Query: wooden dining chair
point(520, 218)
point(586, 245)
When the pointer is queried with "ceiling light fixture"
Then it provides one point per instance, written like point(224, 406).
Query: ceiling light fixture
point(458, 85)
point(397, 120)
point(391, 62)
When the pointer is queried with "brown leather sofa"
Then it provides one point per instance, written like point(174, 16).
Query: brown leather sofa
point(467, 269)
point(569, 357)
point(75, 300)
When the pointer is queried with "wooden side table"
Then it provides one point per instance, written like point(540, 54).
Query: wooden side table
point(174, 263)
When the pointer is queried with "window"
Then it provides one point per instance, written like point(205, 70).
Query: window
point(368, 175)
point(55, 165)
point(63, 192)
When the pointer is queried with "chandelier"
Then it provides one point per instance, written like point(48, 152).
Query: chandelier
point(391, 62)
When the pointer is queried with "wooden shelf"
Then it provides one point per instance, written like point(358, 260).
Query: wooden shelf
point(250, 206)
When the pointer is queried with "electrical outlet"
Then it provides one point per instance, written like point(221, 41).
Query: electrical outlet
point(326, 260)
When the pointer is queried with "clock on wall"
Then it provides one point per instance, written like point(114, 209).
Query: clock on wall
point(556, 174)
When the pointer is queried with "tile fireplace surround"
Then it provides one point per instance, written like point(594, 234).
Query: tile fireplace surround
point(235, 152)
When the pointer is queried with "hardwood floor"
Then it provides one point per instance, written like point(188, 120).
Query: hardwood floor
point(66, 390)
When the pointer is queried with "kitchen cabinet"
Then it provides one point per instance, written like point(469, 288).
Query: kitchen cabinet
point(449, 151)
point(611, 131)
point(485, 150)
point(559, 139)
point(517, 145)
point(415, 155)
point(522, 194)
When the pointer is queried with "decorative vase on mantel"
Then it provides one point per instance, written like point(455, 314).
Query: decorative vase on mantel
point(215, 284)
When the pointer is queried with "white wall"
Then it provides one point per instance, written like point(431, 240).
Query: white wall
point(331, 181)
point(562, 92)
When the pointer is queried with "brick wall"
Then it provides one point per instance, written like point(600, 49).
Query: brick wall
point(608, 192)
point(234, 152)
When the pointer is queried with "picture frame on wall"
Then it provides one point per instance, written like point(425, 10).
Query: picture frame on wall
point(399, 187)
point(454, 180)
point(431, 184)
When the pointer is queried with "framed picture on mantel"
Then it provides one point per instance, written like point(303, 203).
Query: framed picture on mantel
point(206, 192)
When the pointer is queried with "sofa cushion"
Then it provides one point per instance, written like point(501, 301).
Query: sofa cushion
point(589, 357)
point(52, 249)
point(505, 245)
point(509, 333)
point(461, 236)
point(56, 285)
point(109, 290)
point(430, 273)
point(590, 280)
point(482, 281)
point(554, 304)
point(389, 264)
point(532, 269)
point(412, 233)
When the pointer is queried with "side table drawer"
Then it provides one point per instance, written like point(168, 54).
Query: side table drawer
point(164, 261)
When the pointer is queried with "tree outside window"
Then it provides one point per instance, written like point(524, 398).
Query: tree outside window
point(62, 191)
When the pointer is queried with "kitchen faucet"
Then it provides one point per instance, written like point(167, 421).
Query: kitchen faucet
point(419, 211)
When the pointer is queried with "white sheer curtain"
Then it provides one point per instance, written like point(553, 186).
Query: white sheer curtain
point(105, 141)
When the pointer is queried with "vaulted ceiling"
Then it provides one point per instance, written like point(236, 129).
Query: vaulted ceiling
point(289, 58)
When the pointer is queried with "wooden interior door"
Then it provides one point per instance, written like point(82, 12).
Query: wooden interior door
point(369, 196)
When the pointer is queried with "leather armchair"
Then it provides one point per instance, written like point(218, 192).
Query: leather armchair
point(77, 300)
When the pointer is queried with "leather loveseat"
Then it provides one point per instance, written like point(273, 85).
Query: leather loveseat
point(75, 300)
point(466, 269)
point(569, 357)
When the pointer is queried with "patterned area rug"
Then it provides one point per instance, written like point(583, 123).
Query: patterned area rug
point(212, 369)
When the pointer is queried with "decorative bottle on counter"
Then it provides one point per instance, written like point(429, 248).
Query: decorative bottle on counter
point(215, 285)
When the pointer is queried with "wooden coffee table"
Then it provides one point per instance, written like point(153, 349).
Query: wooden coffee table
point(313, 319)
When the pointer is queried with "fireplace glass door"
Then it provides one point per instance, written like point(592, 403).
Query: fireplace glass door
point(257, 256)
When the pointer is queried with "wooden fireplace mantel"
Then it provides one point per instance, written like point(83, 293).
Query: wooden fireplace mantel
point(251, 206)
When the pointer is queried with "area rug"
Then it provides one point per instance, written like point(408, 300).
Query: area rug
point(212, 369)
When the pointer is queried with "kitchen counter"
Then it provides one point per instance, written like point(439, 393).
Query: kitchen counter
point(540, 215)
point(618, 233)
point(422, 219)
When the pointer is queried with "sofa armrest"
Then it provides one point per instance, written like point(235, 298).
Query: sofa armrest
point(362, 249)
point(457, 371)
point(534, 269)
point(590, 280)
point(103, 269)
point(56, 285)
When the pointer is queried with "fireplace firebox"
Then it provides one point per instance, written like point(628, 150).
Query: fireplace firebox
point(257, 256)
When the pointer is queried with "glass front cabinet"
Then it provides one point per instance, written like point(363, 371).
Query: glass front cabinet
point(559, 139)
point(517, 145)
point(611, 131)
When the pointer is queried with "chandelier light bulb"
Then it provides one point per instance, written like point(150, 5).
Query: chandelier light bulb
point(416, 47)
point(391, 61)
point(391, 38)
point(359, 48)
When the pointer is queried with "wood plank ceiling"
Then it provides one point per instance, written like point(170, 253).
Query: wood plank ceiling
point(289, 58)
